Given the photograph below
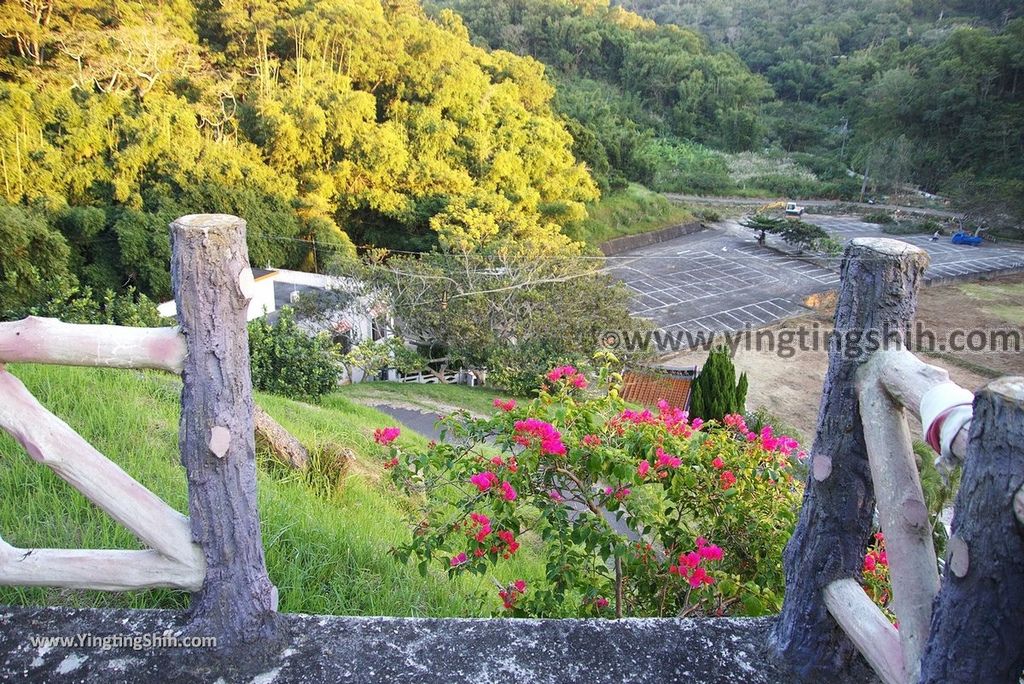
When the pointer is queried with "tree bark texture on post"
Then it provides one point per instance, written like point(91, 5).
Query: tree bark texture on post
point(212, 286)
point(977, 632)
point(877, 299)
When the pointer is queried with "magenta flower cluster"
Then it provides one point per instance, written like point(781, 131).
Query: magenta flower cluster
point(781, 444)
point(510, 594)
point(570, 375)
point(534, 430)
point(505, 404)
point(487, 480)
point(385, 436)
point(690, 565)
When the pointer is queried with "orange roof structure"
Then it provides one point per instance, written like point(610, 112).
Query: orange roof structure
point(649, 385)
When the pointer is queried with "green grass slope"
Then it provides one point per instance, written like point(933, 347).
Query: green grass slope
point(327, 546)
point(634, 209)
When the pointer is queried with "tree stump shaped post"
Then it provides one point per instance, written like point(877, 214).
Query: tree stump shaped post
point(877, 300)
point(977, 629)
point(212, 285)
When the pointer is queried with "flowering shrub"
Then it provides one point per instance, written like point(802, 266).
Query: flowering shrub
point(636, 512)
point(876, 575)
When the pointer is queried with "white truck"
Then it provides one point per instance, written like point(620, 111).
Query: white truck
point(792, 209)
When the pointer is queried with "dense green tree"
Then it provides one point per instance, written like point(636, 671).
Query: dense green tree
point(716, 392)
point(33, 256)
point(324, 124)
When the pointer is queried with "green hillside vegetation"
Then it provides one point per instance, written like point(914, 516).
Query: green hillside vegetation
point(327, 534)
point(634, 209)
point(325, 124)
point(628, 87)
point(927, 92)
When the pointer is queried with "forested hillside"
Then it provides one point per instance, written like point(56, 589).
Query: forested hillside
point(929, 92)
point(324, 123)
point(470, 124)
point(641, 99)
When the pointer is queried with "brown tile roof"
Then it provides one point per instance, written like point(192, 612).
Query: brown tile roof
point(647, 386)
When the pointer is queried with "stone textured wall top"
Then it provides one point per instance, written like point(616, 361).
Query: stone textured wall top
point(354, 649)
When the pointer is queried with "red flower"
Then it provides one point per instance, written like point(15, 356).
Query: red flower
point(727, 479)
point(718, 463)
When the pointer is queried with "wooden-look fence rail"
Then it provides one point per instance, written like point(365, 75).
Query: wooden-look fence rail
point(217, 552)
point(971, 627)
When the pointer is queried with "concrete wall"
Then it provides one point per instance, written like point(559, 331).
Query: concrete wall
point(631, 242)
point(262, 301)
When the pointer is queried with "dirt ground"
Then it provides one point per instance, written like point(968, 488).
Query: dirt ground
point(790, 388)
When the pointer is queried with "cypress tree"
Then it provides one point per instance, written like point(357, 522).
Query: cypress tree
point(716, 392)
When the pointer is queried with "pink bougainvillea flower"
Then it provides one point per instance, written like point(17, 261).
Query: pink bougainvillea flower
point(550, 439)
point(643, 468)
point(511, 545)
point(666, 460)
point(711, 552)
point(484, 480)
point(385, 436)
point(555, 496)
point(505, 405)
point(508, 491)
point(697, 577)
point(520, 586)
point(591, 440)
point(484, 523)
point(570, 374)
point(601, 602)
point(459, 559)
point(718, 463)
point(727, 479)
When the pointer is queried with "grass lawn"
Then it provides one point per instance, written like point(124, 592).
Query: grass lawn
point(328, 547)
point(1002, 300)
point(632, 210)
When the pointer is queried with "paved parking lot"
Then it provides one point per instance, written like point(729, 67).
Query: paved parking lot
point(721, 279)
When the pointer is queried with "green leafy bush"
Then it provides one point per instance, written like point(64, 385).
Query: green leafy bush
point(881, 218)
point(74, 304)
point(373, 356)
point(520, 370)
point(287, 360)
point(679, 166)
point(793, 231)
